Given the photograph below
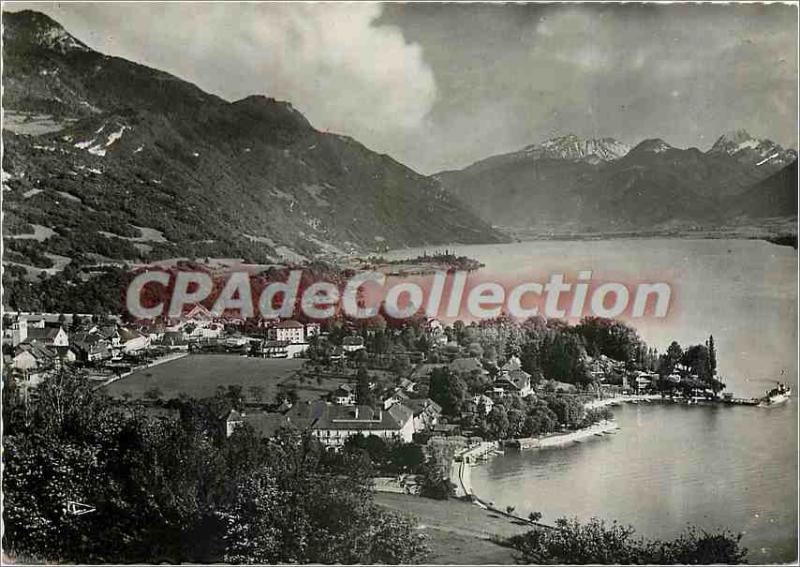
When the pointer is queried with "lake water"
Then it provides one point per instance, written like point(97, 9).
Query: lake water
point(672, 465)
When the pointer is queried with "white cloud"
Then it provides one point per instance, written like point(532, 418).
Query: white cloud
point(329, 60)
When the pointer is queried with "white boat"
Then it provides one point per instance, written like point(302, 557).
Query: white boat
point(776, 396)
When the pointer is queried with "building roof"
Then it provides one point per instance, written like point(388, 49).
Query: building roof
point(422, 406)
point(322, 416)
point(519, 378)
point(353, 341)
point(43, 334)
point(289, 324)
point(39, 351)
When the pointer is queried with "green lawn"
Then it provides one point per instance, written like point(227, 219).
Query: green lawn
point(199, 375)
point(458, 532)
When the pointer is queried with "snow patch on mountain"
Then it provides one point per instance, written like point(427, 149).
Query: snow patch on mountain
point(573, 148)
point(114, 136)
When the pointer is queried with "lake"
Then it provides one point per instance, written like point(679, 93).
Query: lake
point(671, 465)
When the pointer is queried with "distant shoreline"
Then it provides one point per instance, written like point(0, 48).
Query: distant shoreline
point(778, 239)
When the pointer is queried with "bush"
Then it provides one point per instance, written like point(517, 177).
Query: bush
point(571, 542)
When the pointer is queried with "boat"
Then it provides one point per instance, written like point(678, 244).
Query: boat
point(777, 395)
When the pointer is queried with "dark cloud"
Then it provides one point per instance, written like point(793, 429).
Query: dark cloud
point(511, 75)
point(442, 85)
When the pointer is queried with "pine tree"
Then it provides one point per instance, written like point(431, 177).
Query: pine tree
point(712, 356)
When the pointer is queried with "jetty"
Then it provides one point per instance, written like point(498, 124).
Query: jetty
point(477, 452)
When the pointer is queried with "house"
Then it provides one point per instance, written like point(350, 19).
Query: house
point(49, 336)
point(198, 313)
point(132, 341)
point(312, 330)
point(482, 403)
point(516, 382)
point(272, 349)
point(344, 395)
point(265, 424)
point(425, 412)
point(352, 344)
point(645, 380)
point(332, 425)
point(394, 396)
point(279, 349)
point(110, 334)
point(90, 347)
point(435, 332)
point(34, 360)
point(200, 330)
point(289, 330)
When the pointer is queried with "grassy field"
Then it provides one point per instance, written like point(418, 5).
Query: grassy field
point(458, 532)
point(199, 375)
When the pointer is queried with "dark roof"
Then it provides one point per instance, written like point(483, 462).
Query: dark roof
point(519, 378)
point(46, 333)
point(320, 415)
point(38, 350)
point(353, 341)
point(421, 406)
point(290, 324)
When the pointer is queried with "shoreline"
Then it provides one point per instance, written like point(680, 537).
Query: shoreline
point(461, 470)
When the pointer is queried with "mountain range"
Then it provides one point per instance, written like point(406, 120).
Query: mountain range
point(108, 160)
point(568, 184)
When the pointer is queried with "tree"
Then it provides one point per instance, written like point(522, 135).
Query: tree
point(407, 457)
point(432, 484)
point(534, 517)
point(364, 394)
point(567, 409)
point(448, 390)
point(668, 360)
point(165, 491)
point(712, 356)
point(497, 423)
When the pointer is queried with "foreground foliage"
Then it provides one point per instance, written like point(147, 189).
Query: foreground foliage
point(177, 491)
point(597, 542)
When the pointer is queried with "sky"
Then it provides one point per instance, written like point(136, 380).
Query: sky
point(439, 86)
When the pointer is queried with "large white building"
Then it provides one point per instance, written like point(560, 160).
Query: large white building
point(289, 331)
point(333, 424)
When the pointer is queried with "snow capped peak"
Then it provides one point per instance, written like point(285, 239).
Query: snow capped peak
point(748, 149)
point(573, 148)
point(732, 142)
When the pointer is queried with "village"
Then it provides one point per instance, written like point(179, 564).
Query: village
point(337, 382)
